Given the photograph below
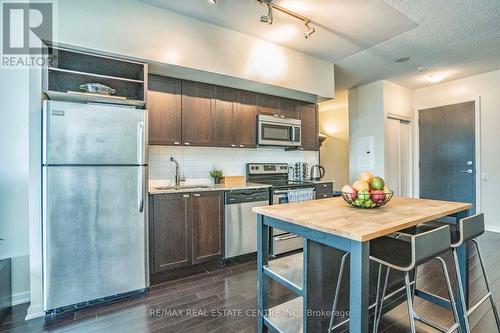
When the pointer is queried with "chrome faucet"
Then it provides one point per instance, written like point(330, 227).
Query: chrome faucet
point(178, 177)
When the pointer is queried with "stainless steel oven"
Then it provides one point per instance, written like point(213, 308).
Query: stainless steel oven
point(282, 241)
point(278, 131)
point(283, 191)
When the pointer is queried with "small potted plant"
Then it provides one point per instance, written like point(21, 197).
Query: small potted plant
point(216, 174)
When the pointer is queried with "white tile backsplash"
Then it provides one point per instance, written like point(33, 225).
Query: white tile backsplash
point(196, 162)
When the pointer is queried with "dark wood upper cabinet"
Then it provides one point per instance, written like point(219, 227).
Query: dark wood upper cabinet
point(288, 108)
point(208, 208)
point(225, 117)
point(164, 111)
point(247, 119)
point(170, 238)
point(310, 125)
point(267, 105)
point(198, 114)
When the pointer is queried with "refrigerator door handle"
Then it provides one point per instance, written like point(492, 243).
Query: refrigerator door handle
point(140, 189)
point(140, 143)
point(140, 160)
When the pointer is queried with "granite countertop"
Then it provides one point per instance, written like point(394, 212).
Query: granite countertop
point(153, 187)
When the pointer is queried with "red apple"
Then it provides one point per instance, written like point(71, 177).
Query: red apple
point(377, 196)
point(351, 192)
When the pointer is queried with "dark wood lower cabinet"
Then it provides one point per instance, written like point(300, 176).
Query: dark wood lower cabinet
point(207, 226)
point(170, 237)
point(185, 229)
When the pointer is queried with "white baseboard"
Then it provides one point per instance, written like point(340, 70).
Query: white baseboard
point(493, 229)
point(21, 298)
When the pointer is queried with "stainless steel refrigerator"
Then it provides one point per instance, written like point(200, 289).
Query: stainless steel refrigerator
point(94, 202)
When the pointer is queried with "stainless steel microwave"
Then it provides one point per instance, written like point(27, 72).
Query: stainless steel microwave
point(278, 131)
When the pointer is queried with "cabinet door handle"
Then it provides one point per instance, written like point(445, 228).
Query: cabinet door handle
point(233, 145)
point(196, 195)
point(187, 143)
point(177, 143)
point(185, 195)
point(241, 146)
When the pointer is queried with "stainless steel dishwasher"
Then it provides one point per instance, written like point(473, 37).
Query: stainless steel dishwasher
point(241, 222)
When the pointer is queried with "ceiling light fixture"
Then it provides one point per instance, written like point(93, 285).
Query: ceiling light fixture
point(269, 17)
point(422, 69)
point(436, 77)
point(213, 2)
point(310, 30)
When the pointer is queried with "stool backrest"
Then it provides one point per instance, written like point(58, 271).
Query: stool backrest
point(471, 227)
point(430, 244)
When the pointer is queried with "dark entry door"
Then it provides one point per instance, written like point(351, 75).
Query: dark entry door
point(447, 153)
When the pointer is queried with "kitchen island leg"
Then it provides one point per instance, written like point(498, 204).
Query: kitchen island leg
point(262, 282)
point(359, 292)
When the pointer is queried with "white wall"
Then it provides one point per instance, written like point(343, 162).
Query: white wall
point(196, 162)
point(140, 30)
point(397, 101)
point(14, 180)
point(334, 153)
point(366, 118)
point(486, 87)
point(369, 107)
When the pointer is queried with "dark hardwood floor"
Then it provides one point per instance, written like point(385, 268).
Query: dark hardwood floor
point(224, 301)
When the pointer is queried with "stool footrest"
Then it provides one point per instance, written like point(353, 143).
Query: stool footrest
point(478, 304)
point(443, 302)
point(436, 325)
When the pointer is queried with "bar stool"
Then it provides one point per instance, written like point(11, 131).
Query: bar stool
point(331, 327)
point(404, 252)
point(468, 229)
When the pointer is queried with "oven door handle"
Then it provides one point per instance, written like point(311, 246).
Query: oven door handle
point(286, 237)
point(280, 192)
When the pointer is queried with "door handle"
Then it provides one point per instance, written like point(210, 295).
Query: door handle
point(196, 195)
point(469, 171)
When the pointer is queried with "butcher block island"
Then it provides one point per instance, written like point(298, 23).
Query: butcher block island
point(331, 229)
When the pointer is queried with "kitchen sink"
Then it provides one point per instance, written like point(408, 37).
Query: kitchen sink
point(186, 187)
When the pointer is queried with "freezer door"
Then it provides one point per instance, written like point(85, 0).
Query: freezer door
point(90, 134)
point(94, 233)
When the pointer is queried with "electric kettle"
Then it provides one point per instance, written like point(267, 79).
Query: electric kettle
point(317, 172)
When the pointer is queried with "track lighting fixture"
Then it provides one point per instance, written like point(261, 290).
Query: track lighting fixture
point(310, 30)
point(269, 17)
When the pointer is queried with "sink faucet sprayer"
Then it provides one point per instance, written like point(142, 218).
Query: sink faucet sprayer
point(178, 177)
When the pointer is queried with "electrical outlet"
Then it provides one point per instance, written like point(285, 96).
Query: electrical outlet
point(484, 176)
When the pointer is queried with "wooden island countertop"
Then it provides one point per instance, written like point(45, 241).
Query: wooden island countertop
point(335, 216)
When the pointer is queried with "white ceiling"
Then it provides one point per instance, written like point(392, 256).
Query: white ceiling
point(365, 37)
point(337, 35)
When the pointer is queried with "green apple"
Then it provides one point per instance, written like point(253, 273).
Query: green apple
point(377, 183)
point(363, 196)
point(368, 203)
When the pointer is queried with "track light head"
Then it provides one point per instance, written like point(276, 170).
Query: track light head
point(269, 17)
point(310, 30)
